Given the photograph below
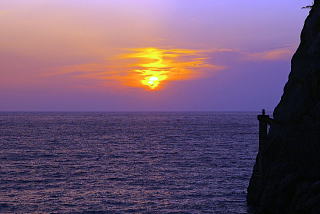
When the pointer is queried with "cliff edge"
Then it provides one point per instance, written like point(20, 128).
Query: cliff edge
point(286, 176)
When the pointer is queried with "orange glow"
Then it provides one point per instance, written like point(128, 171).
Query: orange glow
point(148, 68)
point(156, 66)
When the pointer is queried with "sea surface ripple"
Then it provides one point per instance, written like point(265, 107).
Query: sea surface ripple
point(126, 162)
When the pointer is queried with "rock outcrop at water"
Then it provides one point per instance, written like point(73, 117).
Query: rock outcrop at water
point(286, 176)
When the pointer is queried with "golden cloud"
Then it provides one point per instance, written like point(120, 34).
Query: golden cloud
point(149, 68)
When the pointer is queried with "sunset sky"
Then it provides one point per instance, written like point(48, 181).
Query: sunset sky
point(146, 55)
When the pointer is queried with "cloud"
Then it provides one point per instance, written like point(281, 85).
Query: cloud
point(148, 68)
point(271, 55)
point(232, 58)
point(153, 68)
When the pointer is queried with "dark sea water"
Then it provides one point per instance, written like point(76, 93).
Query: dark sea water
point(126, 162)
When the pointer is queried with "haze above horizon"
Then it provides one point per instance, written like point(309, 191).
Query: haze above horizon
point(161, 55)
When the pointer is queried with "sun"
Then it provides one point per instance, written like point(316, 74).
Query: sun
point(152, 81)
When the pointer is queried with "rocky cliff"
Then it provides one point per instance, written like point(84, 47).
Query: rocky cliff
point(286, 176)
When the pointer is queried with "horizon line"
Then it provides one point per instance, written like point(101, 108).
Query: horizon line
point(133, 111)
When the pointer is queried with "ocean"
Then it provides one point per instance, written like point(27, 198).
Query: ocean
point(96, 163)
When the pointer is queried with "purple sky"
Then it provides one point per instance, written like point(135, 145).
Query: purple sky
point(206, 55)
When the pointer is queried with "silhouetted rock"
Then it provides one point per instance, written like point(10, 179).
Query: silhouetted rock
point(286, 177)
